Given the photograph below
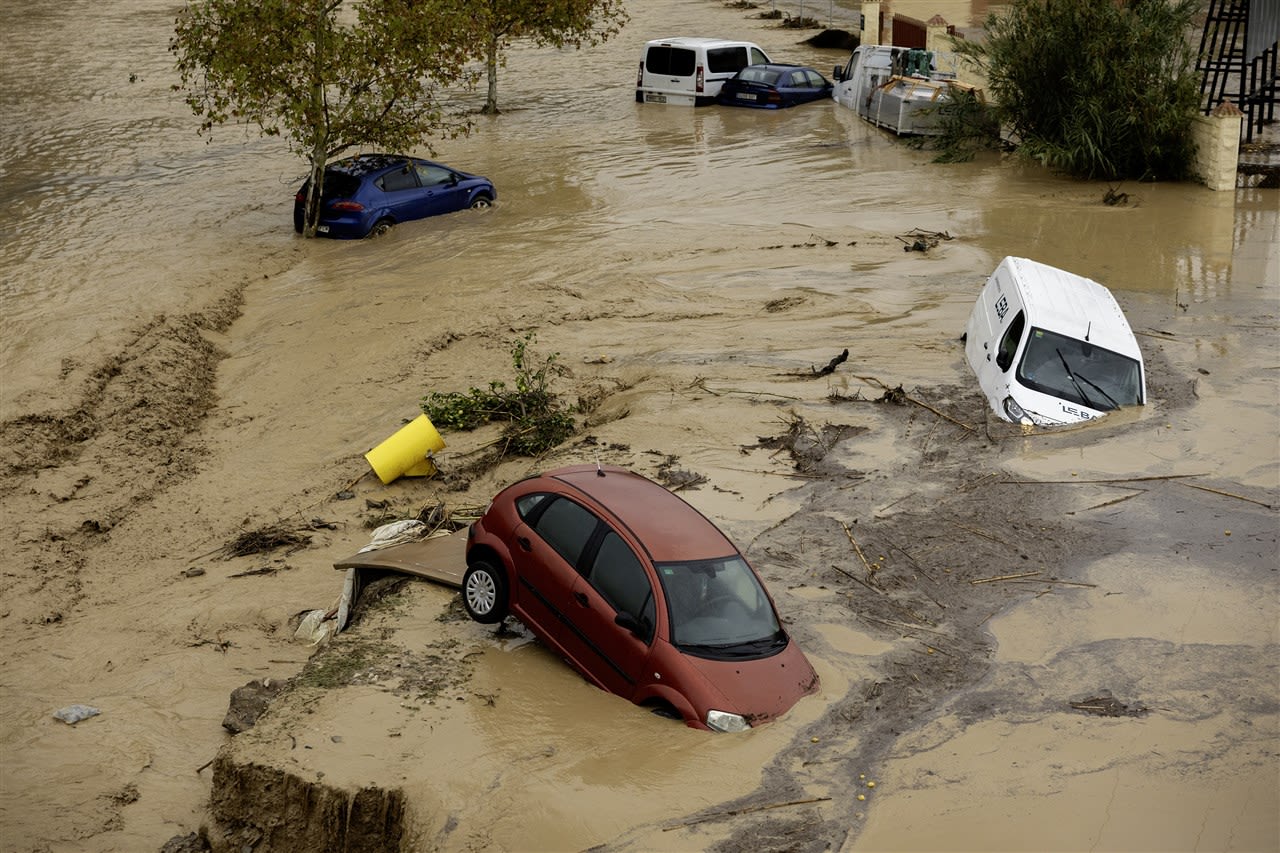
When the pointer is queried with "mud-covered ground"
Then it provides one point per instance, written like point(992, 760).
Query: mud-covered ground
point(889, 569)
point(1051, 641)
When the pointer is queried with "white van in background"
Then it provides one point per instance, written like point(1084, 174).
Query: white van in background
point(690, 71)
point(1051, 347)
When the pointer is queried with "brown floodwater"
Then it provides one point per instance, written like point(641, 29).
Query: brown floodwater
point(685, 261)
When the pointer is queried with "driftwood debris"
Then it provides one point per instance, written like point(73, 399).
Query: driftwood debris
point(919, 240)
point(831, 365)
point(266, 538)
point(871, 573)
point(1108, 706)
point(896, 395)
point(977, 581)
point(1229, 495)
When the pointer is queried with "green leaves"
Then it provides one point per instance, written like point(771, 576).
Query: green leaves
point(326, 75)
point(494, 24)
point(536, 420)
point(1102, 90)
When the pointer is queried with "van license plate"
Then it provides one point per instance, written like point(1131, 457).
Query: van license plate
point(745, 96)
point(654, 98)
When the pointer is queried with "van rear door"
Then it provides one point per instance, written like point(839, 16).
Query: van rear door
point(667, 70)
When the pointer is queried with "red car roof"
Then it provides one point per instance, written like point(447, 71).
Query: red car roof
point(668, 528)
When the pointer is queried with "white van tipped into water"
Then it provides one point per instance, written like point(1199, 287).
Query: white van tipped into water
point(690, 71)
point(1051, 347)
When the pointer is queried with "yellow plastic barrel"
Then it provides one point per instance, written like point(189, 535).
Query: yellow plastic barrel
point(407, 453)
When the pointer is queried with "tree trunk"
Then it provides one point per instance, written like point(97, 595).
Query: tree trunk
point(319, 144)
point(491, 66)
point(315, 191)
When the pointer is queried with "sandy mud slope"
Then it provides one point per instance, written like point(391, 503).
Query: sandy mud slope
point(1061, 641)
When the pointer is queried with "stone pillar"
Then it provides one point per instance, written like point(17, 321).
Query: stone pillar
point(935, 35)
point(870, 23)
point(1217, 139)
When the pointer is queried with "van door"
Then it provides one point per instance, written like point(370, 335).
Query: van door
point(668, 72)
point(996, 331)
point(847, 77)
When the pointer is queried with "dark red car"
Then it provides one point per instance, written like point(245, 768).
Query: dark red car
point(639, 592)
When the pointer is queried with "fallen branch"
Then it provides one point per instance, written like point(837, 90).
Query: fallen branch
point(854, 543)
point(977, 532)
point(1129, 496)
point(1004, 578)
point(910, 559)
point(931, 649)
point(1053, 582)
point(851, 576)
point(748, 810)
point(919, 403)
point(831, 365)
point(1097, 482)
point(265, 570)
point(1228, 495)
point(702, 384)
point(909, 626)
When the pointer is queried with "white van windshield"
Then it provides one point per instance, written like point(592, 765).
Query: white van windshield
point(1078, 371)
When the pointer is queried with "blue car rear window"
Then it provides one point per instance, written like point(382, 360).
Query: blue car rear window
point(336, 185)
point(759, 75)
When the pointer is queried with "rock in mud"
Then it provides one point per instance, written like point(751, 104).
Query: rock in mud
point(249, 702)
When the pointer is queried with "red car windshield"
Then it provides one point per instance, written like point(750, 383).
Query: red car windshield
point(718, 608)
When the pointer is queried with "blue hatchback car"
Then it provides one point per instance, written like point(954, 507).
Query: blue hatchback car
point(368, 194)
point(773, 86)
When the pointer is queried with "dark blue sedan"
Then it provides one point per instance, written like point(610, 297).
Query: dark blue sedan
point(367, 195)
point(771, 87)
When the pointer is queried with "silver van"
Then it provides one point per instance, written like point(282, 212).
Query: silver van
point(690, 71)
point(1052, 347)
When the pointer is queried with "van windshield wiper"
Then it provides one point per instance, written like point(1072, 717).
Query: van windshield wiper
point(1072, 377)
point(1093, 384)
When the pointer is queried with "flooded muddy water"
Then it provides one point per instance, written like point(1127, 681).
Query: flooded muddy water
point(176, 367)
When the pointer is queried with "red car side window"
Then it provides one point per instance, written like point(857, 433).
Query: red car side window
point(617, 574)
point(566, 527)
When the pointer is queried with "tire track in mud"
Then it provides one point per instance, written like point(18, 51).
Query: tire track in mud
point(67, 478)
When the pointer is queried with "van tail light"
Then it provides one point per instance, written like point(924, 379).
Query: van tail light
point(352, 206)
point(700, 79)
point(300, 198)
point(640, 76)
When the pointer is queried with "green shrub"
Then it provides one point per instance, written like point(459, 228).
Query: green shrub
point(1102, 89)
point(536, 418)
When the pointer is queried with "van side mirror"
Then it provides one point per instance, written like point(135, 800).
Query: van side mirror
point(838, 74)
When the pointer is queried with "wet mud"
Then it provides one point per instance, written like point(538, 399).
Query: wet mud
point(181, 374)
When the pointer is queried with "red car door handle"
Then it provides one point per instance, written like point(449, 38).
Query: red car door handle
point(581, 598)
point(524, 543)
